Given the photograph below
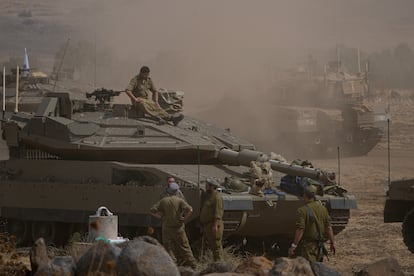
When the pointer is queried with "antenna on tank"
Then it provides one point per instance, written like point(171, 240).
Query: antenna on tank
point(60, 64)
point(389, 152)
point(94, 62)
point(16, 108)
point(198, 167)
point(339, 166)
point(338, 60)
point(4, 91)
point(359, 60)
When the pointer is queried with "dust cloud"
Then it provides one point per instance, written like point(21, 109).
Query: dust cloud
point(221, 53)
point(211, 48)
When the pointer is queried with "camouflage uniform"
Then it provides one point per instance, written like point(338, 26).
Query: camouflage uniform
point(144, 89)
point(213, 209)
point(174, 237)
point(308, 245)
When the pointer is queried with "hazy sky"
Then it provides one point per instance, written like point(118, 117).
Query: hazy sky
point(207, 48)
point(215, 51)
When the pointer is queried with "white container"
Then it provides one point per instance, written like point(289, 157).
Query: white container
point(103, 226)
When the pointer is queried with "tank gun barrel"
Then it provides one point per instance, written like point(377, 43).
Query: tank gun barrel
point(244, 158)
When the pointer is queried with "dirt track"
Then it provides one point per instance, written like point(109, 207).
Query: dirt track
point(367, 238)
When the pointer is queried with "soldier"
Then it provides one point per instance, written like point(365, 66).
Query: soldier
point(171, 180)
point(313, 224)
point(144, 97)
point(211, 218)
point(174, 212)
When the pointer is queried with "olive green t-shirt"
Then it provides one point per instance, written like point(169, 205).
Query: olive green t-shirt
point(303, 220)
point(213, 208)
point(141, 87)
point(172, 208)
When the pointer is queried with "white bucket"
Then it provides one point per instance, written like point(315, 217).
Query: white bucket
point(102, 226)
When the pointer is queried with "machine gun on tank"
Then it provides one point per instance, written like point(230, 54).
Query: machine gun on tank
point(103, 95)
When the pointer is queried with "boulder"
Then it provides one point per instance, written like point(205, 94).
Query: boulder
point(38, 255)
point(228, 274)
point(61, 265)
point(218, 267)
point(288, 266)
point(320, 269)
point(387, 266)
point(99, 258)
point(256, 266)
point(145, 256)
point(187, 271)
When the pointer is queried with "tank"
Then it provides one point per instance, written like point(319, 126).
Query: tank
point(323, 112)
point(399, 207)
point(63, 165)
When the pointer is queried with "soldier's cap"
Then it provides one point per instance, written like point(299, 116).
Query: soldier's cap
point(173, 188)
point(144, 69)
point(310, 191)
point(212, 182)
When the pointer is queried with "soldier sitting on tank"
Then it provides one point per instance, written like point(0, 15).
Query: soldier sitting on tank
point(144, 98)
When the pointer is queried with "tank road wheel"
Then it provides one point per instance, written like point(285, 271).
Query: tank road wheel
point(21, 230)
point(408, 230)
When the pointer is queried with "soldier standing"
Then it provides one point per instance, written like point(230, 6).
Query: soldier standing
point(174, 212)
point(141, 90)
point(313, 224)
point(211, 218)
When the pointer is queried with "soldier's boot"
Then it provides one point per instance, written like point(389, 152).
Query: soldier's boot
point(176, 118)
point(160, 121)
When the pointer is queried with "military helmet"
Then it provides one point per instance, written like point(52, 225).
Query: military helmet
point(144, 69)
point(213, 182)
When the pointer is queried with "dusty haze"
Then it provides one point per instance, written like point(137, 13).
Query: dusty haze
point(215, 51)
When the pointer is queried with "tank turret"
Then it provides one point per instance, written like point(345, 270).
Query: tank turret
point(320, 114)
point(64, 165)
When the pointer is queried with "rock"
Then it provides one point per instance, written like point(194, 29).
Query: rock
point(187, 271)
point(218, 267)
point(288, 266)
point(228, 274)
point(100, 258)
point(387, 266)
point(38, 255)
point(256, 266)
point(61, 265)
point(145, 256)
point(320, 269)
